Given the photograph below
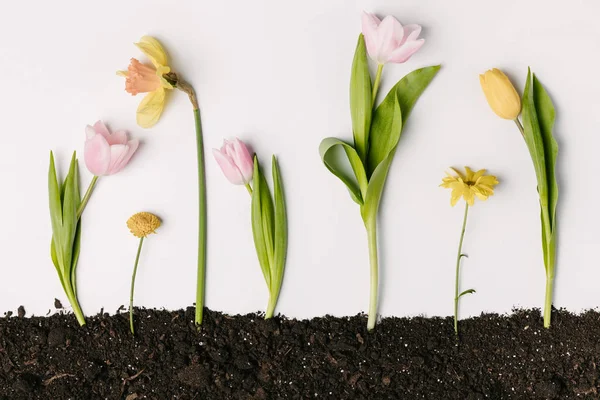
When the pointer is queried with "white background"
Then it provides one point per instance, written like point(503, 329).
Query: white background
point(276, 74)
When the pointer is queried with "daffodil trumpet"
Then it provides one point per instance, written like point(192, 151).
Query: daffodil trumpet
point(156, 80)
point(376, 128)
point(537, 115)
point(141, 225)
point(469, 186)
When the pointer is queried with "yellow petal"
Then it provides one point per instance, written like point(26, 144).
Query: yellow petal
point(500, 94)
point(478, 175)
point(153, 50)
point(469, 175)
point(489, 180)
point(151, 108)
point(123, 73)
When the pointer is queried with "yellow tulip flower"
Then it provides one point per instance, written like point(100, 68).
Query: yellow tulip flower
point(500, 94)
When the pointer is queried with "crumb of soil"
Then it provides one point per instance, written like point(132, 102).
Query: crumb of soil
point(246, 357)
point(57, 304)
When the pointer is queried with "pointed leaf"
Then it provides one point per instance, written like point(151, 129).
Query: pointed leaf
point(262, 222)
point(361, 103)
point(357, 184)
point(281, 232)
point(391, 115)
point(468, 291)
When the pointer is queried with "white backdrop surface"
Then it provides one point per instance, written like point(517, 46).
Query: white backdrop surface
point(276, 74)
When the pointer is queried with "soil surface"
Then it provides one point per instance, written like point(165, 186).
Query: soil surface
point(245, 357)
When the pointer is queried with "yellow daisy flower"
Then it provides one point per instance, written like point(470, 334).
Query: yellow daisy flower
point(470, 185)
point(141, 78)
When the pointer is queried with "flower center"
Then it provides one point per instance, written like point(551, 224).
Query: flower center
point(141, 78)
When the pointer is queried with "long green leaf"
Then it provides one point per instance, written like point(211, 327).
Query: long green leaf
point(262, 222)
point(388, 121)
point(281, 232)
point(391, 115)
point(546, 115)
point(360, 99)
point(70, 205)
point(357, 184)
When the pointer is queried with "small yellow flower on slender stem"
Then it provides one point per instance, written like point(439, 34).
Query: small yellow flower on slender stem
point(468, 186)
point(141, 225)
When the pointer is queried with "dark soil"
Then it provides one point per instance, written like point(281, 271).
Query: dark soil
point(245, 357)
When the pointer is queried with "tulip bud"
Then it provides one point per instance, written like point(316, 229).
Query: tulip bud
point(500, 94)
point(235, 161)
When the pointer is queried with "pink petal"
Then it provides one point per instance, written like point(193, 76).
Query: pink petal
point(369, 29)
point(117, 154)
point(411, 32)
point(231, 172)
point(90, 132)
point(404, 52)
point(97, 155)
point(243, 160)
point(100, 128)
point(118, 137)
point(389, 35)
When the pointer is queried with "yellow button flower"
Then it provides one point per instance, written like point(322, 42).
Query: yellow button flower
point(500, 93)
point(469, 185)
point(143, 223)
point(141, 78)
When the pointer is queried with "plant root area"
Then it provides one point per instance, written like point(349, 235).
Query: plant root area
point(246, 357)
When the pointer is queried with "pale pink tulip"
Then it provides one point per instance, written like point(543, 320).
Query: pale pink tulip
point(235, 161)
point(106, 153)
point(389, 41)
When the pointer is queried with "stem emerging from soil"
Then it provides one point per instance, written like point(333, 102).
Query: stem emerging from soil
point(458, 258)
point(371, 226)
point(137, 259)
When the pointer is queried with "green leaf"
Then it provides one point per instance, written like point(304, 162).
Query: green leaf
point(281, 232)
point(468, 291)
point(388, 121)
point(70, 220)
point(76, 249)
point(262, 222)
point(546, 115)
point(361, 105)
point(391, 115)
point(357, 184)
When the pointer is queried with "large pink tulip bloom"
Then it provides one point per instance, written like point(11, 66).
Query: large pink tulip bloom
point(235, 161)
point(106, 153)
point(389, 41)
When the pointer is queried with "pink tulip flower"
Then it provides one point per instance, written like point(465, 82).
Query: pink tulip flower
point(106, 153)
point(389, 41)
point(235, 161)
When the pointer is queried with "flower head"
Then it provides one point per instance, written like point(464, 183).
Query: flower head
point(235, 161)
point(106, 153)
point(500, 93)
point(469, 185)
point(389, 41)
point(142, 78)
point(142, 224)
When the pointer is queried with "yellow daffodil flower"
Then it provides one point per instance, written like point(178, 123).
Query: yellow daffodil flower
point(500, 94)
point(141, 78)
point(470, 185)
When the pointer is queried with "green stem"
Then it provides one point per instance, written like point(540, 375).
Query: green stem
point(458, 258)
point(86, 197)
point(377, 82)
point(137, 259)
point(371, 226)
point(75, 304)
point(520, 126)
point(272, 303)
point(549, 284)
point(200, 288)
point(249, 188)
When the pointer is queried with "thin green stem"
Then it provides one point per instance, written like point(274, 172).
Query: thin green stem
point(86, 197)
point(137, 260)
point(371, 226)
point(458, 258)
point(248, 188)
point(202, 215)
point(377, 82)
point(75, 304)
point(520, 126)
point(272, 303)
point(549, 283)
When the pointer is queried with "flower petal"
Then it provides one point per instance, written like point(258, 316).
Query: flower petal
point(231, 172)
point(153, 50)
point(101, 129)
point(404, 52)
point(117, 153)
point(118, 137)
point(370, 22)
point(96, 154)
point(243, 160)
point(389, 35)
point(411, 32)
point(151, 108)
